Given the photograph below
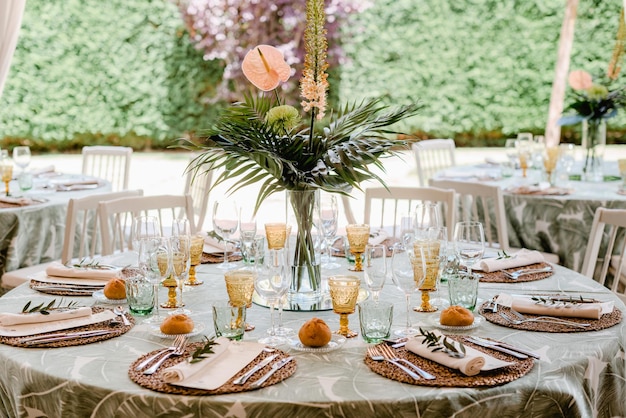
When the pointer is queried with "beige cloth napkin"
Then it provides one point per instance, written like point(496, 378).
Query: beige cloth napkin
point(17, 201)
point(8, 318)
point(521, 258)
point(212, 372)
point(43, 171)
point(23, 330)
point(60, 270)
point(473, 363)
point(377, 237)
point(525, 304)
point(212, 245)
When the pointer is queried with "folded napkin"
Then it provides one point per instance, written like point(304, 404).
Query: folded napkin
point(377, 237)
point(17, 201)
point(521, 258)
point(7, 318)
point(526, 305)
point(70, 183)
point(213, 245)
point(473, 363)
point(43, 171)
point(543, 189)
point(57, 269)
point(23, 330)
point(228, 359)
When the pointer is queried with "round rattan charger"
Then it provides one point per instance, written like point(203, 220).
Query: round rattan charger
point(499, 277)
point(447, 377)
point(154, 381)
point(115, 331)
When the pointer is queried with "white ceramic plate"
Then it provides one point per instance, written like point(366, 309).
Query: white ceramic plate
point(155, 330)
point(99, 296)
point(336, 341)
point(434, 320)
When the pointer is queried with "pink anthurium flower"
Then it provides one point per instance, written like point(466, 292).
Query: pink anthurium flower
point(265, 67)
point(580, 80)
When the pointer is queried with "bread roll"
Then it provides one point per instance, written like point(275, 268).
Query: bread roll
point(115, 289)
point(314, 333)
point(177, 324)
point(456, 316)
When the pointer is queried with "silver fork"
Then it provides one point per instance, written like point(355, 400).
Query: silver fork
point(522, 272)
point(177, 342)
point(390, 355)
point(545, 319)
point(179, 350)
point(378, 356)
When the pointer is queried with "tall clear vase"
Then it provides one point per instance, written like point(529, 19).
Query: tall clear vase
point(593, 143)
point(306, 277)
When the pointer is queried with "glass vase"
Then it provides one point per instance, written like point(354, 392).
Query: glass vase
point(593, 143)
point(304, 264)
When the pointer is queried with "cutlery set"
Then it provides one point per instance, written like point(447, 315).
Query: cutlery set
point(514, 275)
point(62, 336)
point(382, 352)
point(503, 347)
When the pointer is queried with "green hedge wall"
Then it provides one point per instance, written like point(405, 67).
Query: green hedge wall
point(123, 72)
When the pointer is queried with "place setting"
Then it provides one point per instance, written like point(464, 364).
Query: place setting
point(521, 266)
point(81, 278)
point(551, 312)
point(61, 323)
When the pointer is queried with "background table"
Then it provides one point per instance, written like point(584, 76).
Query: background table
point(554, 224)
point(33, 234)
point(580, 374)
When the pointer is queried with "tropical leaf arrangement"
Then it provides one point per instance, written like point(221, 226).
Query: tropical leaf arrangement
point(262, 140)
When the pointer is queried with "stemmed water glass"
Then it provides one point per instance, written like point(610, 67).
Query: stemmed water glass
point(144, 227)
point(375, 269)
point(469, 243)
point(21, 157)
point(225, 224)
point(180, 244)
point(405, 267)
point(328, 219)
point(426, 216)
point(344, 292)
point(148, 251)
point(271, 283)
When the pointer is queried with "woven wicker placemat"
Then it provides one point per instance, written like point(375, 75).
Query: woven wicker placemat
point(116, 331)
point(605, 321)
point(45, 287)
point(30, 202)
point(447, 377)
point(499, 277)
point(216, 258)
point(154, 381)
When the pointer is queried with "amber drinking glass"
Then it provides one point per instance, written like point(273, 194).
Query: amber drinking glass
point(197, 245)
point(358, 235)
point(344, 292)
point(240, 288)
point(276, 235)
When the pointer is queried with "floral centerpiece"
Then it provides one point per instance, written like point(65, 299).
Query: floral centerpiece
point(594, 103)
point(264, 140)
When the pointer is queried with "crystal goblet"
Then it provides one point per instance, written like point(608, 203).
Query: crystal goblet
point(358, 234)
point(344, 292)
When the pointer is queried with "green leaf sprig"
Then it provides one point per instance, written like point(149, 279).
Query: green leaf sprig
point(203, 352)
point(85, 264)
point(503, 255)
point(44, 309)
point(558, 300)
point(436, 343)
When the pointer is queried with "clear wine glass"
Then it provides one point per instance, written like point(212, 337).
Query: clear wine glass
point(21, 157)
point(426, 216)
point(469, 243)
point(375, 269)
point(145, 227)
point(225, 224)
point(180, 243)
point(328, 220)
point(247, 221)
point(148, 250)
point(405, 267)
point(271, 283)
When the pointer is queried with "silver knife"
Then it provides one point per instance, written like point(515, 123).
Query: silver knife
point(65, 336)
point(269, 374)
point(509, 347)
point(244, 378)
point(496, 347)
point(69, 289)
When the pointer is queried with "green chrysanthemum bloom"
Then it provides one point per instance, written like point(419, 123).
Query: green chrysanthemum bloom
point(597, 92)
point(283, 118)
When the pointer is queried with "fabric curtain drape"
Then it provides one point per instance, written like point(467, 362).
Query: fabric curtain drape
point(11, 12)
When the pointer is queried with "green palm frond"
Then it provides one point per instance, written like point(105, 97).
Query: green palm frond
point(336, 159)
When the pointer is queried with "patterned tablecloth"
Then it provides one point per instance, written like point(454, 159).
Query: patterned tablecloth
point(579, 375)
point(33, 234)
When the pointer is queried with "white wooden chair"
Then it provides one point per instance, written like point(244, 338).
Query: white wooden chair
point(388, 205)
point(600, 260)
point(108, 162)
point(116, 217)
point(484, 203)
point(82, 234)
point(198, 186)
point(432, 155)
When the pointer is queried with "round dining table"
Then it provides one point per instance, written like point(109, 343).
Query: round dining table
point(555, 221)
point(32, 234)
point(579, 374)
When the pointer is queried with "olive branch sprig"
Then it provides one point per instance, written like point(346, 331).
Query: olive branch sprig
point(203, 352)
point(45, 309)
point(539, 300)
point(436, 343)
point(85, 264)
point(503, 255)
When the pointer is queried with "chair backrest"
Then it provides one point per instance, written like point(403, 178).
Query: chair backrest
point(390, 204)
point(483, 203)
point(605, 257)
point(82, 233)
point(108, 162)
point(116, 217)
point(198, 186)
point(432, 155)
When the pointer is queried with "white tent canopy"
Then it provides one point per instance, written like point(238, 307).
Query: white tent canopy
point(11, 12)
